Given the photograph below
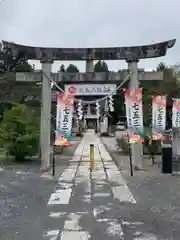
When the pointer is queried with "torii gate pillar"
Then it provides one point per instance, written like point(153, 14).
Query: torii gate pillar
point(45, 128)
point(89, 66)
point(137, 149)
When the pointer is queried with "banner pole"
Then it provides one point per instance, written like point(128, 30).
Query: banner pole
point(130, 156)
point(91, 157)
point(53, 162)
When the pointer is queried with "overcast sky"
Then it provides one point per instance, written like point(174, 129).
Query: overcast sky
point(98, 23)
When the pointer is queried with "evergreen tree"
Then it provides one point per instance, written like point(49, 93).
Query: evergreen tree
point(62, 68)
point(100, 66)
point(72, 69)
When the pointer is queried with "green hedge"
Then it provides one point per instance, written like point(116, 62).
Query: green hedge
point(149, 146)
point(19, 132)
point(122, 145)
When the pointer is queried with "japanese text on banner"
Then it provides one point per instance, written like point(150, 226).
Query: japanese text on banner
point(158, 117)
point(133, 101)
point(176, 113)
point(65, 106)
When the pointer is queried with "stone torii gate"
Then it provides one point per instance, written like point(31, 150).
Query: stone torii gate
point(47, 56)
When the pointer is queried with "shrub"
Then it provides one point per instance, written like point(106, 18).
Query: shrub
point(152, 146)
point(58, 149)
point(19, 131)
point(123, 145)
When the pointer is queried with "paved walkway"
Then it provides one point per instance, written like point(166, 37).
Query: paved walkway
point(95, 205)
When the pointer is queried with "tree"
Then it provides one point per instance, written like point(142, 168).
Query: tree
point(176, 71)
point(72, 69)
point(100, 66)
point(161, 67)
point(8, 63)
point(169, 87)
point(62, 68)
point(23, 67)
point(19, 132)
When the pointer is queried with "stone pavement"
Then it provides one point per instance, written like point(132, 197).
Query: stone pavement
point(95, 205)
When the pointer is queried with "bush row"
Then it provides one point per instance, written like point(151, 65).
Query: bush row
point(19, 132)
point(149, 146)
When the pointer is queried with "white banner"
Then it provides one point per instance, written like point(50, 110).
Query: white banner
point(58, 111)
point(176, 113)
point(90, 89)
point(133, 101)
point(128, 110)
point(158, 117)
point(65, 105)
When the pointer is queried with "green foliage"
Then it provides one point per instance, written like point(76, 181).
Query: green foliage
point(9, 63)
point(150, 146)
point(153, 146)
point(161, 67)
point(123, 145)
point(58, 149)
point(23, 67)
point(72, 69)
point(101, 66)
point(169, 88)
point(62, 68)
point(19, 132)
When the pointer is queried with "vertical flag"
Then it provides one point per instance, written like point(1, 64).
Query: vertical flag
point(64, 116)
point(133, 102)
point(58, 111)
point(128, 109)
point(176, 113)
point(158, 117)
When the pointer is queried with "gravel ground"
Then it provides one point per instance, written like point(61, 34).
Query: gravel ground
point(157, 196)
point(24, 192)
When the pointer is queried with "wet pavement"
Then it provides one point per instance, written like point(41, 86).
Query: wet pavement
point(81, 204)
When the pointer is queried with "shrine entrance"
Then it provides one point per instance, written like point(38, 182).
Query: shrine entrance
point(91, 123)
point(90, 103)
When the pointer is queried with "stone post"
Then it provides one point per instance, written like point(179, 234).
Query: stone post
point(45, 128)
point(106, 109)
point(137, 149)
point(90, 69)
point(89, 66)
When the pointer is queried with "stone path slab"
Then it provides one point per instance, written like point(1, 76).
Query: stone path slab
point(93, 204)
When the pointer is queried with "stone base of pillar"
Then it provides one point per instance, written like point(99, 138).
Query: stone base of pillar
point(137, 156)
point(45, 169)
point(106, 124)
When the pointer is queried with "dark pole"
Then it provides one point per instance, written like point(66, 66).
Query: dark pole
point(53, 163)
point(130, 157)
